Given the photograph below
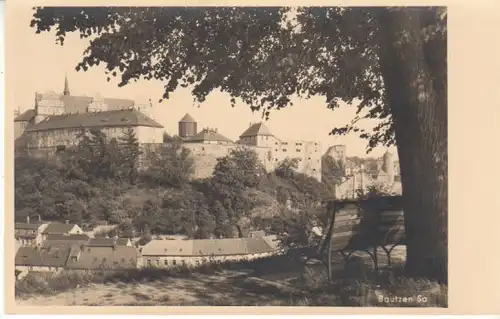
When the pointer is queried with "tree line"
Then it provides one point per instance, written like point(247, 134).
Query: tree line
point(102, 179)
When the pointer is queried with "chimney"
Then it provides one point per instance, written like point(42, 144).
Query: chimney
point(39, 217)
point(27, 219)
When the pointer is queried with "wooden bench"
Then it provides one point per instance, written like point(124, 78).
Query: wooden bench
point(363, 225)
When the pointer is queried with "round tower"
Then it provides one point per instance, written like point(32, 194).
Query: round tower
point(388, 166)
point(187, 126)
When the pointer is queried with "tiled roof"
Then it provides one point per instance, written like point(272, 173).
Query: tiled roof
point(208, 135)
point(74, 104)
point(257, 129)
point(120, 257)
point(68, 237)
point(26, 116)
point(272, 241)
point(168, 248)
point(129, 117)
point(32, 226)
point(257, 245)
point(65, 240)
point(58, 228)
point(187, 119)
point(48, 257)
point(219, 247)
point(122, 241)
point(101, 242)
point(209, 247)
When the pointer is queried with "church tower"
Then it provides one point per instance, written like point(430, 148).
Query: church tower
point(66, 86)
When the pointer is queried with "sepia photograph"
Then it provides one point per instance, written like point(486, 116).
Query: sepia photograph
point(230, 156)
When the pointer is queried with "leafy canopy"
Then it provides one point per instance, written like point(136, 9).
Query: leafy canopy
point(263, 56)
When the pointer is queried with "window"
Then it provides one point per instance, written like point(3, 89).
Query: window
point(174, 262)
point(23, 125)
point(298, 150)
point(149, 263)
point(183, 262)
point(284, 150)
point(166, 262)
point(31, 268)
point(158, 263)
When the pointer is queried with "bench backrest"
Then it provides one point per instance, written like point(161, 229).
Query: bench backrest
point(375, 221)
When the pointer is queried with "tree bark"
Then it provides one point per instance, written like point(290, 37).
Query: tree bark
point(419, 112)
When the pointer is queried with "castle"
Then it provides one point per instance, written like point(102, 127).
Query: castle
point(386, 174)
point(56, 120)
point(208, 144)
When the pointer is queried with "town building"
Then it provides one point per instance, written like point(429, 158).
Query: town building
point(44, 259)
point(57, 228)
point(192, 253)
point(29, 234)
point(104, 258)
point(56, 120)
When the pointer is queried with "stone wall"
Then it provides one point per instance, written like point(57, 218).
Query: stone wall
point(205, 156)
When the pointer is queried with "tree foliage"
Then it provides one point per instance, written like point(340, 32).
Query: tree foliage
point(263, 56)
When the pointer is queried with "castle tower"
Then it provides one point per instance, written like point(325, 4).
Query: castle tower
point(388, 166)
point(340, 152)
point(66, 86)
point(187, 126)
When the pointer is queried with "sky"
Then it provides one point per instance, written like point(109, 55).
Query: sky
point(40, 65)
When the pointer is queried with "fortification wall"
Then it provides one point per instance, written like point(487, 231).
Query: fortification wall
point(205, 156)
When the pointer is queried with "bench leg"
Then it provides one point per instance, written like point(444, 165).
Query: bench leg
point(375, 258)
point(388, 253)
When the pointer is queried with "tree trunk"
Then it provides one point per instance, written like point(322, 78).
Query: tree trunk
point(418, 102)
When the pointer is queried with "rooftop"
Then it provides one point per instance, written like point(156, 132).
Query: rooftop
point(129, 117)
point(58, 228)
point(43, 256)
point(208, 247)
point(187, 119)
point(25, 116)
point(208, 135)
point(75, 104)
point(120, 257)
point(257, 129)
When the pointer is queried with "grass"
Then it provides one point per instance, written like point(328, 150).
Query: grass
point(267, 282)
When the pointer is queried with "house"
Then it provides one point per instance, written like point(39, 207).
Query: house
point(46, 259)
point(65, 240)
point(103, 258)
point(29, 234)
point(167, 253)
point(170, 253)
point(56, 228)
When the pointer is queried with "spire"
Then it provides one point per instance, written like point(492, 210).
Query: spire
point(66, 85)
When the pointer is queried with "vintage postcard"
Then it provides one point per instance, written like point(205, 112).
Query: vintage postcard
point(199, 156)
